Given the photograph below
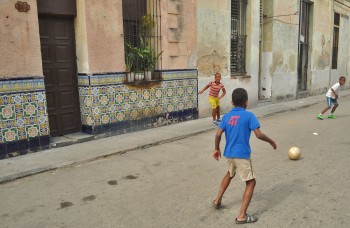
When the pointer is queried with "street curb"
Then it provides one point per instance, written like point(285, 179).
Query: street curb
point(32, 172)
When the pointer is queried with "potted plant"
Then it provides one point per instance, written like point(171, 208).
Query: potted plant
point(129, 62)
point(140, 60)
point(150, 61)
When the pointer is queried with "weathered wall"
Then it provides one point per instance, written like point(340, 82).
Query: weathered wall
point(213, 42)
point(252, 59)
point(20, 42)
point(321, 48)
point(283, 68)
point(322, 76)
point(344, 43)
point(280, 47)
point(266, 55)
point(213, 48)
point(99, 29)
point(178, 30)
point(213, 37)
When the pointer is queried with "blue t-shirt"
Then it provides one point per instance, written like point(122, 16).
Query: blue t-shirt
point(237, 125)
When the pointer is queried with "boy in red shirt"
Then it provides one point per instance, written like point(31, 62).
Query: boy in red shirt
point(214, 98)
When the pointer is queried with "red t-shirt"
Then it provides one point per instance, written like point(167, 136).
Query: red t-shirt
point(215, 88)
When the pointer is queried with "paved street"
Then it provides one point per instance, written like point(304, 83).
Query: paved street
point(173, 184)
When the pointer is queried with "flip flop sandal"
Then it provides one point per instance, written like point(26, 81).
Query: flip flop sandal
point(248, 219)
point(216, 205)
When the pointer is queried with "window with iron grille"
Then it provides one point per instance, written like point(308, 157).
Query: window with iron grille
point(238, 37)
point(141, 27)
point(335, 40)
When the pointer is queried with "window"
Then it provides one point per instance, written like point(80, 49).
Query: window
point(238, 37)
point(141, 25)
point(335, 40)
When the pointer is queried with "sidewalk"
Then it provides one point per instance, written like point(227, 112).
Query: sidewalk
point(22, 166)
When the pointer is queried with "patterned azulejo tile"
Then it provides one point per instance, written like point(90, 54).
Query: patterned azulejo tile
point(32, 131)
point(10, 134)
point(119, 102)
point(7, 112)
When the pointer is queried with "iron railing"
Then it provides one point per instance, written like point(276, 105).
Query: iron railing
point(238, 37)
point(142, 33)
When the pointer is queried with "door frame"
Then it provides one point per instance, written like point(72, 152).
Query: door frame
point(303, 58)
point(47, 9)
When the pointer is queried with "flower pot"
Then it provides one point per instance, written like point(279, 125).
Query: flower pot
point(148, 75)
point(139, 76)
point(130, 76)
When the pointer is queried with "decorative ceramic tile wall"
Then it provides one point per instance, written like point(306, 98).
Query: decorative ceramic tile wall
point(23, 116)
point(103, 106)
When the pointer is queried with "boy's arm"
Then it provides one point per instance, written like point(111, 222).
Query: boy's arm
point(204, 89)
point(335, 93)
point(265, 138)
point(217, 152)
point(223, 93)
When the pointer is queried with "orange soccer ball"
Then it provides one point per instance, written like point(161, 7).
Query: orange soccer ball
point(294, 153)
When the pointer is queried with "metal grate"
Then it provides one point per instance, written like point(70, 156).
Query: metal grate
point(335, 40)
point(141, 26)
point(238, 36)
point(238, 53)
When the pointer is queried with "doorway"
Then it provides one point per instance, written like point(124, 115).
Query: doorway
point(60, 74)
point(303, 55)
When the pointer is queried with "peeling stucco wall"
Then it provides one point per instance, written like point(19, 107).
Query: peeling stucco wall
point(279, 77)
point(344, 49)
point(213, 26)
point(343, 69)
point(322, 76)
point(213, 45)
point(213, 50)
point(322, 36)
point(20, 41)
point(210, 64)
point(280, 42)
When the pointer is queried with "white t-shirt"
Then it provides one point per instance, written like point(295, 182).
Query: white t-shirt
point(336, 88)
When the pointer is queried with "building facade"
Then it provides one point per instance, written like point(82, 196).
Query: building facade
point(63, 69)
point(305, 48)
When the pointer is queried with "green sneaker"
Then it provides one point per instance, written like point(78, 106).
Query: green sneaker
point(319, 116)
point(331, 117)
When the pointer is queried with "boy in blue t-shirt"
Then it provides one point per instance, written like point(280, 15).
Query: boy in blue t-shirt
point(237, 125)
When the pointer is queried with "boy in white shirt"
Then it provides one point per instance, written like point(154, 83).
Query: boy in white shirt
point(331, 97)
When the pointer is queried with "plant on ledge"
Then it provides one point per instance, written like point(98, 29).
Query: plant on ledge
point(140, 58)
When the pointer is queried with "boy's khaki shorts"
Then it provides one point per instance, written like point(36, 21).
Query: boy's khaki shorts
point(214, 102)
point(244, 167)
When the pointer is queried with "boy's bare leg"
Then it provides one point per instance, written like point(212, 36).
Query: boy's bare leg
point(218, 112)
point(334, 108)
point(325, 110)
point(247, 196)
point(214, 114)
point(224, 184)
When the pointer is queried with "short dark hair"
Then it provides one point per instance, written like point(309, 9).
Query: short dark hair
point(342, 77)
point(239, 97)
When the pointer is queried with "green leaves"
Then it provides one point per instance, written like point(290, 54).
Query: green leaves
point(140, 58)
